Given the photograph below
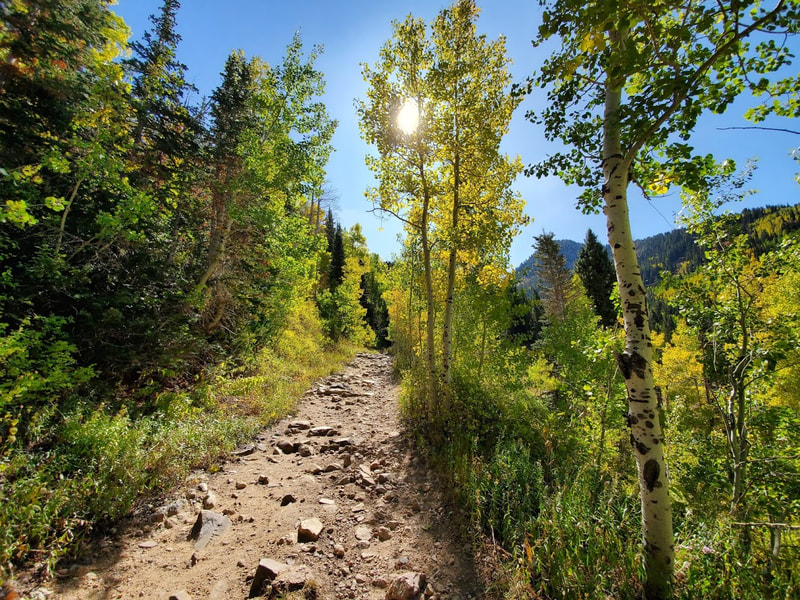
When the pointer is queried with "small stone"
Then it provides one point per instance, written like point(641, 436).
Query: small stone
point(380, 582)
point(309, 530)
point(210, 501)
point(338, 551)
point(220, 591)
point(360, 578)
point(291, 580)
point(383, 533)
point(363, 533)
point(288, 499)
point(407, 586)
point(263, 479)
point(203, 486)
point(240, 485)
point(182, 595)
point(245, 450)
point(358, 508)
point(286, 446)
point(327, 501)
point(266, 571)
point(305, 450)
point(148, 544)
point(207, 525)
point(300, 424)
point(322, 430)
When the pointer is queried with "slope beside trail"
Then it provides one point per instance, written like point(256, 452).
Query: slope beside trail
point(342, 468)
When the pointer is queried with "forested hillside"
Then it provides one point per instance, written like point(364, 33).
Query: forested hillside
point(173, 275)
point(677, 251)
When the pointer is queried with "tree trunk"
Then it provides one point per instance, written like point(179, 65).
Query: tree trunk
point(636, 361)
point(429, 300)
point(447, 325)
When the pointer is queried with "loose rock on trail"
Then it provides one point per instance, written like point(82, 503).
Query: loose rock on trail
point(331, 500)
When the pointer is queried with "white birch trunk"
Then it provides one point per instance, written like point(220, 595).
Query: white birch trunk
point(647, 439)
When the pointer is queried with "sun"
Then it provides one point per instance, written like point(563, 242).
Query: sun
point(408, 117)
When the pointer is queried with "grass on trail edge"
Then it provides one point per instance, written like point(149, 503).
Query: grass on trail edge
point(95, 463)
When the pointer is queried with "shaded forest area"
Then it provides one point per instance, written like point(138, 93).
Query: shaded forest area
point(173, 276)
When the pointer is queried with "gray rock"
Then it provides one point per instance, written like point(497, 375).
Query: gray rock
point(408, 586)
point(300, 424)
point(266, 572)
point(309, 530)
point(208, 525)
point(245, 450)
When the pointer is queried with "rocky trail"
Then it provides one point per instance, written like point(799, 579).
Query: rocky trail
point(329, 503)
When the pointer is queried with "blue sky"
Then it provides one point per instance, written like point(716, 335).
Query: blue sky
point(353, 31)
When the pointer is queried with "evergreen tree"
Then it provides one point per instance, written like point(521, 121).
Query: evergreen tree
point(597, 274)
point(372, 300)
point(166, 131)
point(330, 230)
point(337, 259)
point(555, 279)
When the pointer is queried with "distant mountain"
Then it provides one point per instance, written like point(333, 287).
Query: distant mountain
point(676, 250)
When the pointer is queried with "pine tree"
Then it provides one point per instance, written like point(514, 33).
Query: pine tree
point(330, 230)
point(337, 260)
point(555, 279)
point(597, 274)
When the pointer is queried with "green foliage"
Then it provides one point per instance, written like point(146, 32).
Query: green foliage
point(140, 248)
point(596, 272)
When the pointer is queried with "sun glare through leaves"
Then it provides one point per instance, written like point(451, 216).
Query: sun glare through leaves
point(408, 117)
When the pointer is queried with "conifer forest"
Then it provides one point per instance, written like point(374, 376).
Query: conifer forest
point(619, 416)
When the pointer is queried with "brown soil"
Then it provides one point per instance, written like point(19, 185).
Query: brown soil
point(382, 511)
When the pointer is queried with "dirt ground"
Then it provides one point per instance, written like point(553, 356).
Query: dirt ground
point(341, 469)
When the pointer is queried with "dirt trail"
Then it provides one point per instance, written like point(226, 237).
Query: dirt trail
point(341, 459)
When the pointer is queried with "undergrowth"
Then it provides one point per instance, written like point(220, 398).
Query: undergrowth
point(88, 464)
point(552, 486)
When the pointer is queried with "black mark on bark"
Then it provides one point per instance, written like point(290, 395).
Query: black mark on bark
point(650, 473)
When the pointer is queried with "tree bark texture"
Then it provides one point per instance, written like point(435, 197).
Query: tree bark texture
point(635, 362)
